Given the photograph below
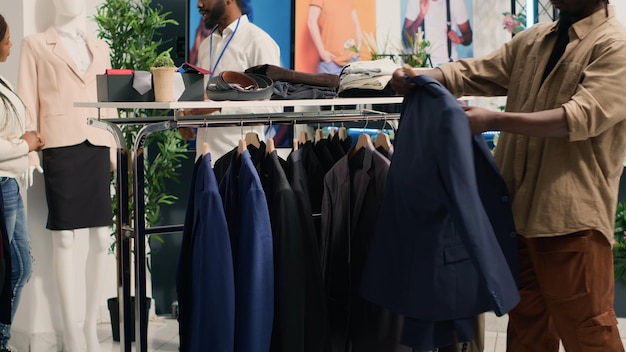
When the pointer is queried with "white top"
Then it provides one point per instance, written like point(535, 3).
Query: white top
point(435, 27)
point(13, 149)
point(249, 46)
point(76, 46)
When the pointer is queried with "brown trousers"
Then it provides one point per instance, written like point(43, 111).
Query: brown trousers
point(566, 288)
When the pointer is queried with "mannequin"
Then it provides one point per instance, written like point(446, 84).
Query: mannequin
point(58, 67)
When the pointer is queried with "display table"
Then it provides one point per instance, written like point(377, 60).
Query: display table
point(337, 112)
point(246, 104)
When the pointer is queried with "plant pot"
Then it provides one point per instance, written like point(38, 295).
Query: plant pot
point(114, 313)
point(163, 83)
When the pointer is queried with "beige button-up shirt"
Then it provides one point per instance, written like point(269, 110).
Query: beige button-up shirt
point(559, 185)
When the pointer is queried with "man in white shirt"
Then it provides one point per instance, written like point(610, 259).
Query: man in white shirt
point(432, 17)
point(235, 44)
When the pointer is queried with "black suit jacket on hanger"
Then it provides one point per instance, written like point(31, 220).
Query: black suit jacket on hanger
point(353, 190)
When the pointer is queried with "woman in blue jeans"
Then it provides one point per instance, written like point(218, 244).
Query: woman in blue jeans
point(15, 145)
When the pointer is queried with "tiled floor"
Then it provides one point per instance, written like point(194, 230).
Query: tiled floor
point(163, 334)
point(495, 332)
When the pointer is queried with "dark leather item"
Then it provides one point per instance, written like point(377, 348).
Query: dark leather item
point(283, 74)
point(232, 85)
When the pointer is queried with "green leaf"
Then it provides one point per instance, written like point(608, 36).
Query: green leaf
point(132, 31)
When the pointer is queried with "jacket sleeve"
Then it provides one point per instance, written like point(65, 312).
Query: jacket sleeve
point(455, 162)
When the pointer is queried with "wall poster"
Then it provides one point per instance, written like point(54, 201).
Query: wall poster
point(273, 16)
point(327, 30)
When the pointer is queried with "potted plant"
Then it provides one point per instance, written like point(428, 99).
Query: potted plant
point(418, 53)
point(513, 23)
point(619, 248)
point(619, 259)
point(130, 28)
point(163, 70)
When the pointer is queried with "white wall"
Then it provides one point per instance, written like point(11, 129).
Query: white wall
point(620, 10)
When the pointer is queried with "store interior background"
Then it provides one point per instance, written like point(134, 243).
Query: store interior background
point(38, 318)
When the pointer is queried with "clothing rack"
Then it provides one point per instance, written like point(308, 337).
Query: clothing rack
point(138, 231)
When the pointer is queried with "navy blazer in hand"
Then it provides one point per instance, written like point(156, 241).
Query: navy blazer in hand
point(444, 247)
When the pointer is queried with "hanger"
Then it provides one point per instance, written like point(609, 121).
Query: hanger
point(343, 133)
point(205, 148)
point(331, 134)
point(269, 141)
point(363, 142)
point(242, 147)
point(252, 138)
point(382, 139)
point(304, 137)
point(319, 134)
point(269, 146)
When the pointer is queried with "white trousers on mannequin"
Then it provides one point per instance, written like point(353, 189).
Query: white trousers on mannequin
point(63, 246)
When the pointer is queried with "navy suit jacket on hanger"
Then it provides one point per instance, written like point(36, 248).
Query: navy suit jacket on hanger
point(250, 232)
point(205, 278)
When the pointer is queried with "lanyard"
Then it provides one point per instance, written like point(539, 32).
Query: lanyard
point(219, 58)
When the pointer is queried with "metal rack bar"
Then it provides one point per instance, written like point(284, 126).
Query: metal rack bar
point(138, 233)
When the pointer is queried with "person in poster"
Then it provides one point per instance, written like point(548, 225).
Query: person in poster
point(263, 13)
point(433, 16)
point(337, 40)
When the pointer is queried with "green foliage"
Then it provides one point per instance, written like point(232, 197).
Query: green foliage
point(619, 248)
point(170, 152)
point(130, 28)
point(513, 23)
point(376, 50)
point(418, 53)
point(164, 60)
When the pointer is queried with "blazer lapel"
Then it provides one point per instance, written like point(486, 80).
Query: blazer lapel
point(361, 187)
point(54, 39)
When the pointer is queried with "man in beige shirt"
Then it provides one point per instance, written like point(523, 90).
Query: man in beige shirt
point(561, 153)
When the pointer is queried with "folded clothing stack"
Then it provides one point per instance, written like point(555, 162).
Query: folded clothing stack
point(290, 84)
point(367, 78)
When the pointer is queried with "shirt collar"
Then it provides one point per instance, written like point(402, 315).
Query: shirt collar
point(72, 36)
point(231, 27)
point(589, 23)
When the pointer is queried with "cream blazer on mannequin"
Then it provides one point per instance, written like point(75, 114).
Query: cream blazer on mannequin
point(49, 83)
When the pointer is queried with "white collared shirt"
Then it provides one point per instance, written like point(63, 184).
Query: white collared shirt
point(250, 46)
point(76, 46)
